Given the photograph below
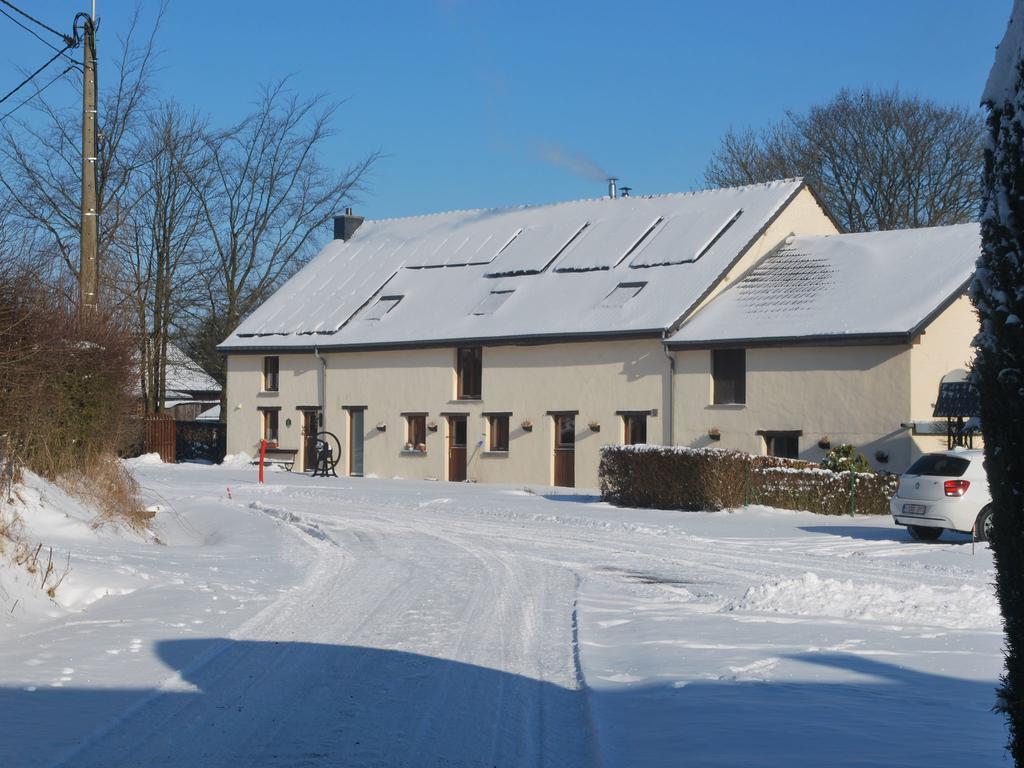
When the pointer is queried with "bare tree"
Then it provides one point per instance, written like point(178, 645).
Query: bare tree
point(879, 160)
point(266, 196)
point(158, 253)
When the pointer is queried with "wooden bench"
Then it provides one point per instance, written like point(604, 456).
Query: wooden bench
point(283, 456)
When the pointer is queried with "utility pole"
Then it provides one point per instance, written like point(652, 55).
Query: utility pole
point(88, 272)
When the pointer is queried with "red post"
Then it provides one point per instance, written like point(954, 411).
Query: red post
point(263, 454)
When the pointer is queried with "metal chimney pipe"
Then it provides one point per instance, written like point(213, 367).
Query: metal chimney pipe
point(612, 191)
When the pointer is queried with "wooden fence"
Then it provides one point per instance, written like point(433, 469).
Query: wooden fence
point(160, 436)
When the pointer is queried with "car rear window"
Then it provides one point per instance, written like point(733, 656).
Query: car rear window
point(939, 465)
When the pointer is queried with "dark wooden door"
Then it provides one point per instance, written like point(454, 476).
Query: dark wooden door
point(310, 428)
point(565, 450)
point(355, 442)
point(456, 448)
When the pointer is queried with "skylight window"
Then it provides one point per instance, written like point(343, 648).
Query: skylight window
point(384, 305)
point(623, 292)
point(682, 240)
point(491, 302)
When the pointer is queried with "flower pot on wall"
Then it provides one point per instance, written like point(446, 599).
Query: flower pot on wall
point(714, 433)
point(527, 425)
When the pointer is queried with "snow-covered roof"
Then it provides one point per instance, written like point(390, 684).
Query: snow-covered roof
point(870, 284)
point(186, 375)
point(210, 414)
point(590, 267)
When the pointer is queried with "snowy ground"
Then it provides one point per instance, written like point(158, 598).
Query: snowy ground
point(389, 623)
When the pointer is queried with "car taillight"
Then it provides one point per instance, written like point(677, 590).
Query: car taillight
point(956, 487)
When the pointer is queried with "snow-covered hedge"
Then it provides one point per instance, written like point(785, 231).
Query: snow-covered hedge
point(712, 479)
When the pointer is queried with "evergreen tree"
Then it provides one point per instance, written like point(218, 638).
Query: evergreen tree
point(998, 294)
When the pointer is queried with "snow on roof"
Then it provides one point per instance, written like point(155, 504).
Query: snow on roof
point(1002, 78)
point(850, 285)
point(534, 271)
point(185, 375)
point(210, 414)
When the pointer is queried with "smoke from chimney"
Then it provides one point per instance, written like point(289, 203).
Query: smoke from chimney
point(576, 162)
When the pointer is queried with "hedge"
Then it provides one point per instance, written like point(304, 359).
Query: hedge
point(712, 479)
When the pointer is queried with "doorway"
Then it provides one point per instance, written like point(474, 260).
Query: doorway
point(355, 442)
point(310, 428)
point(565, 450)
point(457, 448)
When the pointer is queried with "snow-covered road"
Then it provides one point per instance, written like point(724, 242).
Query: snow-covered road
point(370, 622)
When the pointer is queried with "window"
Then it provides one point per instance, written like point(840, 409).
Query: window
point(271, 371)
point(416, 434)
point(384, 305)
point(491, 302)
point(268, 430)
point(498, 431)
point(785, 445)
point(469, 367)
point(729, 376)
point(939, 465)
point(565, 430)
point(634, 428)
point(622, 293)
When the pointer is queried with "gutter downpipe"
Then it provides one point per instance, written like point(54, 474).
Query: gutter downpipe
point(321, 387)
point(670, 416)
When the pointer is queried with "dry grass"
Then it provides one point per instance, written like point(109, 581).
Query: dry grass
point(112, 490)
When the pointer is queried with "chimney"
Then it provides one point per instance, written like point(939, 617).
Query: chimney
point(612, 192)
point(346, 225)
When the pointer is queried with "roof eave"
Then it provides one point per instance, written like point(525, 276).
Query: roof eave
point(521, 340)
point(815, 340)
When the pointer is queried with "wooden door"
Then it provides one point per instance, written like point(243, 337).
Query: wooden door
point(310, 428)
point(565, 450)
point(456, 448)
point(355, 442)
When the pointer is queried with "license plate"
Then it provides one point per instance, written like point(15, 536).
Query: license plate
point(914, 509)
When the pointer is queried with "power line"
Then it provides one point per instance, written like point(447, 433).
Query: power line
point(28, 79)
point(34, 34)
point(67, 39)
point(38, 91)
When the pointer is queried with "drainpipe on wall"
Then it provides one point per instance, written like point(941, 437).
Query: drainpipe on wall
point(671, 388)
point(321, 388)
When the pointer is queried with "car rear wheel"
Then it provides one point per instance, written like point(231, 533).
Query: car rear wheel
point(924, 532)
point(983, 525)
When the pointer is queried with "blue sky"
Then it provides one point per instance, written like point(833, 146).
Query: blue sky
point(469, 100)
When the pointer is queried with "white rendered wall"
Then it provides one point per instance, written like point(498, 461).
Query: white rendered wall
point(857, 395)
point(594, 378)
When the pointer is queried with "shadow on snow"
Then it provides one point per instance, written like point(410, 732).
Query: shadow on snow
point(883, 533)
point(242, 703)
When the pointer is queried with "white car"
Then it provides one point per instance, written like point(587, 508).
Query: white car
point(940, 491)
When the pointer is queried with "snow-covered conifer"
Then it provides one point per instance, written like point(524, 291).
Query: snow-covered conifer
point(998, 293)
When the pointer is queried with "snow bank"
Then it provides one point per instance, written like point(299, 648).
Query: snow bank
point(242, 459)
point(967, 607)
point(146, 459)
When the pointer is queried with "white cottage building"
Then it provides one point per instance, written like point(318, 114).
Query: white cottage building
point(509, 345)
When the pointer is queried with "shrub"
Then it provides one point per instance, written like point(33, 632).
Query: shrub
point(845, 458)
point(713, 479)
point(66, 385)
